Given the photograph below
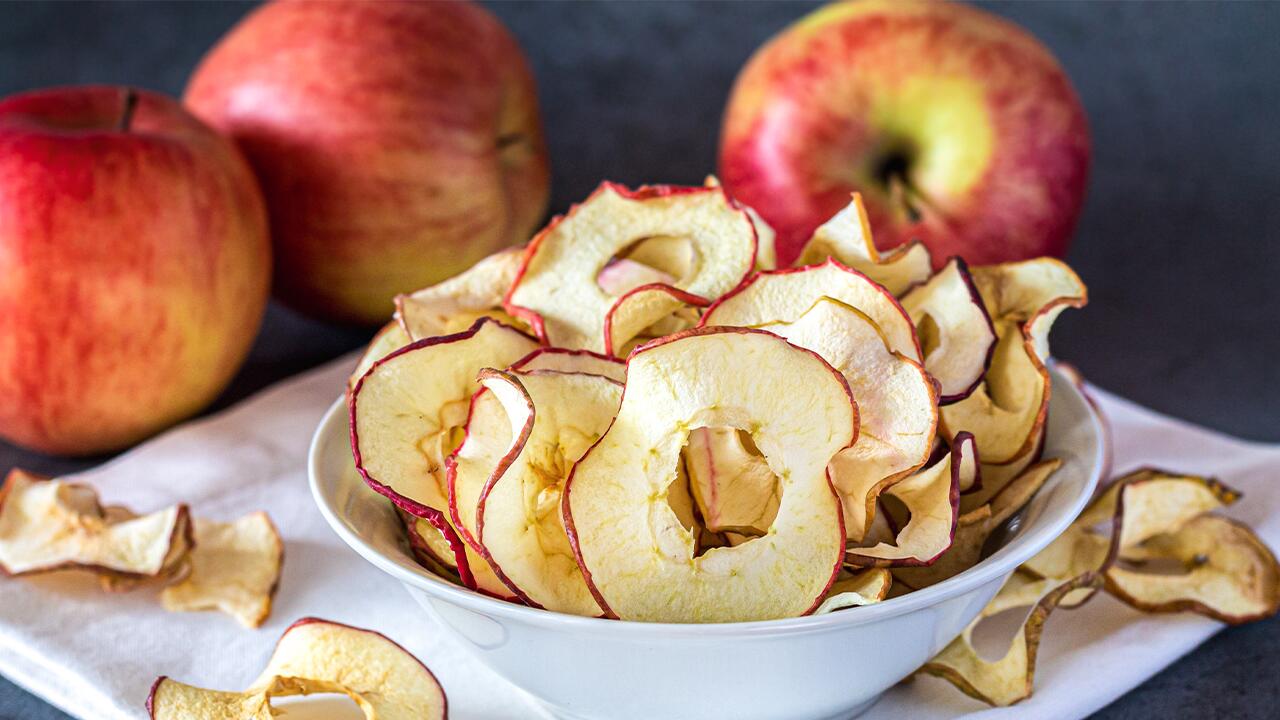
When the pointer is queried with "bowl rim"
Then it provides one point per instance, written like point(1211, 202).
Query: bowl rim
point(999, 564)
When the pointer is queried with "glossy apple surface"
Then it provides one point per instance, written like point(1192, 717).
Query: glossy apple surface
point(134, 266)
point(959, 128)
point(396, 143)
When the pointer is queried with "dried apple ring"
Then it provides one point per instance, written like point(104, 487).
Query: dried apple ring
point(557, 290)
point(637, 558)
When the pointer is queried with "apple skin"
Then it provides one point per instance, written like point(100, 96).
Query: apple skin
point(396, 143)
point(134, 267)
point(975, 121)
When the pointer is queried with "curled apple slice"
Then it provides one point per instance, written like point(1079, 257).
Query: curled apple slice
point(453, 305)
point(644, 307)
point(406, 413)
point(557, 290)
point(846, 237)
point(782, 296)
point(1009, 678)
point(235, 568)
point(955, 331)
point(932, 498)
point(866, 587)
point(897, 403)
point(552, 418)
point(1007, 411)
point(48, 525)
point(638, 559)
point(1226, 572)
point(975, 527)
point(317, 656)
point(387, 340)
point(1139, 506)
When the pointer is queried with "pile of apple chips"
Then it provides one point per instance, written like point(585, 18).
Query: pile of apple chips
point(48, 525)
point(638, 416)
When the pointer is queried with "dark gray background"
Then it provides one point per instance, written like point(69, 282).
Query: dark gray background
point(1178, 242)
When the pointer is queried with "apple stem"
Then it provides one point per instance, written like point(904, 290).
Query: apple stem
point(901, 189)
point(126, 113)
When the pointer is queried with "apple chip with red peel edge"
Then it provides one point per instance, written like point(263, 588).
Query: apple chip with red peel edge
point(317, 656)
point(454, 304)
point(955, 332)
point(572, 361)
point(48, 525)
point(1007, 411)
point(1229, 574)
point(405, 414)
point(897, 404)
point(637, 558)
point(976, 526)
point(474, 572)
point(388, 339)
point(1139, 506)
point(783, 296)
point(866, 587)
point(731, 483)
point(557, 290)
point(993, 477)
point(641, 308)
point(552, 418)
point(1009, 679)
point(235, 568)
point(932, 497)
point(846, 237)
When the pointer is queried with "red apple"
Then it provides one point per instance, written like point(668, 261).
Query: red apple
point(134, 266)
point(958, 128)
point(397, 143)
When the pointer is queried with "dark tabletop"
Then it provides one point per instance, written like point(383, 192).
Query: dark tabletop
point(1178, 243)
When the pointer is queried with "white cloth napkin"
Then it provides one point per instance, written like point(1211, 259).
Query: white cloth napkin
point(95, 655)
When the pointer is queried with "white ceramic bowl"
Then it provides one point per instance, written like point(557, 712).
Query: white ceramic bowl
point(829, 666)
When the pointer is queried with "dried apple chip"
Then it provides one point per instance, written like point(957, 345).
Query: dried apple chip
point(897, 404)
point(48, 525)
point(1227, 572)
point(846, 237)
point(317, 656)
point(235, 568)
point(866, 587)
point(644, 307)
point(557, 290)
point(1007, 411)
point(551, 418)
point(572, 361)
point(932, 497)
point(1010, 678)
point(766, 236)
point(975, 527)
point(406, 414)
point(956, 333)
point(1142, 505)
point(637, 557)
point(453, 305)
point(783, 296)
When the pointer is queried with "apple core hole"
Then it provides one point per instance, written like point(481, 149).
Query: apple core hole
point(993, 635)
point(319, 706)
point(733, 493)
point(656, 259)
point(1161, 565)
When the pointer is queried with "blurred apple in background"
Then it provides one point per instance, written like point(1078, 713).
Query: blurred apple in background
point(134, 266)
point(396, 143)
point(958, 127)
